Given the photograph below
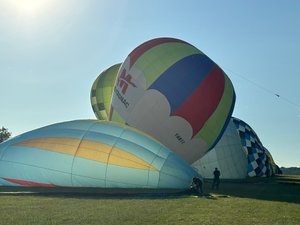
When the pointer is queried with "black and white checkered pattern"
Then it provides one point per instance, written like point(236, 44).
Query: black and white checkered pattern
point(258, 160)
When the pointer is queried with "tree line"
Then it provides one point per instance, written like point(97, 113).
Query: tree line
point(4, 134)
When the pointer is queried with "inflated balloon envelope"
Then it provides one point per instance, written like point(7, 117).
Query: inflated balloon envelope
point(91, 153)
point(102, 90)
point(172, 91)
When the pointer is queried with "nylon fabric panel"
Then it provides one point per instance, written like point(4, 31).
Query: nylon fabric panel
point(42, 158)
point(228, 156)
point(136, 150)
point(118, 175)
point(141, 49)
point(124, 159)
point(60, 145)
point(83, 181)
point(101, 92)
point(33, 173)
point(29, 183)
point(88, 170)
point(4, 182)
point(145, 141)
point(211, 88)
point(214, 125)
point(108, 128)
point(158, 59)
point(175, 173)
point(153, 179)
point(182, 79)
point(90, 150)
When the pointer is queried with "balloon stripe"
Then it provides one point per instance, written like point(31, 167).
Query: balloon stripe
point(152, 66)
point(135, 54)
point(89, 150)
point(226, 122)
point(211, 88)
point(102, 90)
point(28, 183)
point(213, 127)
point(183, 78)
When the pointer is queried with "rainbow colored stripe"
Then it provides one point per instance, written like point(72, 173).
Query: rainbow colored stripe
point(196, 89)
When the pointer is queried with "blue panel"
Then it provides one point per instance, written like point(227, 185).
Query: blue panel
point(89, 168)
point(6, 183)
point(34, 174)
point(141, 140)
point(168, 181)
point(3, 146)
point(45, 133)
point(79, 181)
point(39, 158)
point(107, 128)
point(158, 162)
point(126, 177)
point(183, 78)
point(136, 150)
point(164, 152)
point(101, 138)
point(72, 125)
point(249, 168)
point(176, 167)
point(251, 157)
point(153, 179)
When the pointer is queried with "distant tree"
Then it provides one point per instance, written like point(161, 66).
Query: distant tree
point(4, 134)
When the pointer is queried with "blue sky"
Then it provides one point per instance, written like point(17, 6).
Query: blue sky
point(51, 51)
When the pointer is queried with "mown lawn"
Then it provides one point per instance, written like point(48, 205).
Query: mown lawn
point(276, 201)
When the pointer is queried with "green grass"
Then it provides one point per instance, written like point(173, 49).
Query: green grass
point(252, 201)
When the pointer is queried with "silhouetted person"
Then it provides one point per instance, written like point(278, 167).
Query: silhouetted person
point(216, 180)
point(197, 185)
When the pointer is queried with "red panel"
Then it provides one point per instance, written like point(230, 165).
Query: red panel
point(149, 44)
point(28, 183)
point(204, 100)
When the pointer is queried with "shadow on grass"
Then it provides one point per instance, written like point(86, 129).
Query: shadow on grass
point(280, 188)
point(93, 193)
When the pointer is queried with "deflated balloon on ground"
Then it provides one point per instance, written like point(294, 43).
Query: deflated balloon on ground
point(91, 153)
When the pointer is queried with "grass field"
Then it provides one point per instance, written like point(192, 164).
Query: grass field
point(273, 201)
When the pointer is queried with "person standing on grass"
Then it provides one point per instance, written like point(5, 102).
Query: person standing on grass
point(216, 180)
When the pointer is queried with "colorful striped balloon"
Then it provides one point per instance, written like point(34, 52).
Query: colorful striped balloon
point(170, 90)
point(102, 90)
point(91, 153)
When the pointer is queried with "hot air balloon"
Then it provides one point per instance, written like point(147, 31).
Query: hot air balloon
point(238, 154)
point(91, 153)
point(101, 92)
point(172, 91)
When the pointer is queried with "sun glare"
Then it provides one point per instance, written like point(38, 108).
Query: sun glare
point(29, 7)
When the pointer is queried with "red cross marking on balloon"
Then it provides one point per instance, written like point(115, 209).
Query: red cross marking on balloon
point(124, 81)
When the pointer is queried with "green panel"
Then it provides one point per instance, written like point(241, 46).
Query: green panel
point(215, 123)
point(102, 90)
point(158, 59)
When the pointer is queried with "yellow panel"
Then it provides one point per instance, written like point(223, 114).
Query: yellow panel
point(61, 145)
point(96, 146)
point(90, 150)
point(94, 151)
point(119, 157)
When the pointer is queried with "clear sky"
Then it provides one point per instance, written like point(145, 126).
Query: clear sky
point(51, 51)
